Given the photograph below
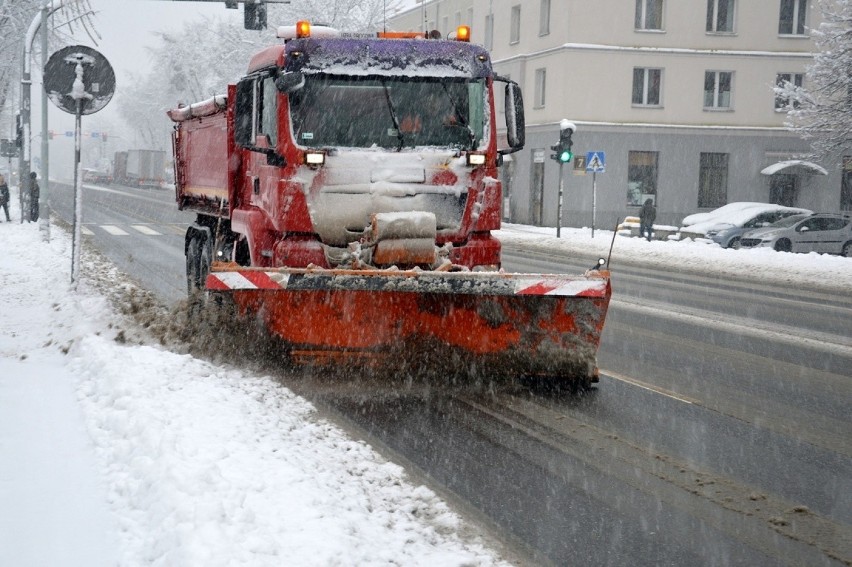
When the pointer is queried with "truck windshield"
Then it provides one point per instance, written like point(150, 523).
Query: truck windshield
point(388, 112)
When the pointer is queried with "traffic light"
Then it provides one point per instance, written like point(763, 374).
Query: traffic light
point(562, 150)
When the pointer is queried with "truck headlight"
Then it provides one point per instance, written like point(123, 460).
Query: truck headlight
point(315, 159)
point(475, 159)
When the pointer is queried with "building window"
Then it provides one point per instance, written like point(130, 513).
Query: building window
point(641, 177)
point(783, 103)
point(540, 85)
point(717, 89)
point(646, 86)
point(713, 180)
point(649, 15)
point(445, 26)
point(846, 185)
point(470, 16)
point(515, 30)
point(792, 18)
point(489, 32)
point(720, 16)
point(544, 18)
point(458, 19)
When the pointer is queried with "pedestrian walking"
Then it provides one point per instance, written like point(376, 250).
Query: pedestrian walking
point(4, 197)
point(647, 216)
point(34, 194)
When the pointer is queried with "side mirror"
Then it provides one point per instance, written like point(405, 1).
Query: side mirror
point(243, 115)
point(290, 82)
point(515, 127)
point(514, 109)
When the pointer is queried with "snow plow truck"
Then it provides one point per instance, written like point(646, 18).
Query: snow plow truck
point(346, 189)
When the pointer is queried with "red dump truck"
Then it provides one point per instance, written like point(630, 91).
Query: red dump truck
point(346, 189)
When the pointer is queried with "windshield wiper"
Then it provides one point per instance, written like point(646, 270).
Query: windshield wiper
point(459, 117)
point(392, 109)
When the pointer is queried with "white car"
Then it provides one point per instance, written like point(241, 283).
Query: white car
point(722, 211)
point(826, 233)
point(752, 216)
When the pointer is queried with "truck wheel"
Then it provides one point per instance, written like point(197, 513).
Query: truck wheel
point(205, 259)
point(193, 257)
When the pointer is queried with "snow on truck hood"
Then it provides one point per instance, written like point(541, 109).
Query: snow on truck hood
point(356, 183)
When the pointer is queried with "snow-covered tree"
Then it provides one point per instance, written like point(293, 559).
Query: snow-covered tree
point(199, 60)
point(15, 19)
point(821, 110)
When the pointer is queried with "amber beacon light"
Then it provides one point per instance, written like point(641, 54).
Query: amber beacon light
point(463, 33)
point(303, 29)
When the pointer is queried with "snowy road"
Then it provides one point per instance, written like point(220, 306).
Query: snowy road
point(709, 414)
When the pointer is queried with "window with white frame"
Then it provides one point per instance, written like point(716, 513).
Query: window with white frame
point(782, 80)
point(445, 26)
point(458, 19)
point(544, 18)
point(540, 85)
point(791, 20)
point(649, 15)
point(720, 16)
point(717, 89)
point(713, 180)
point(489, 32)
point(646, 86)
point(515, 25)
point(470, 16)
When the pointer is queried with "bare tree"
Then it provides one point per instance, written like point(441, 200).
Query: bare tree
point(821, 111)
point(200, 59)
point(15, 19)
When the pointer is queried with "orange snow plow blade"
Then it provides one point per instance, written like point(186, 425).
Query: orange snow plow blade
point(476, 323)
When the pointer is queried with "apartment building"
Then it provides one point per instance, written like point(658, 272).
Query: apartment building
point(677, 94)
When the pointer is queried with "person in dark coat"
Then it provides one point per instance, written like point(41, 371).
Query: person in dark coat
point(647, 216)
point(4, 197)
point(34, 194)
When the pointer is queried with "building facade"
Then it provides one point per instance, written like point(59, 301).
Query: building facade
point(677, 95)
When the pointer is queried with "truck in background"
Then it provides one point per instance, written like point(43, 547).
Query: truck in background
point(140, 168)
point(119, 167)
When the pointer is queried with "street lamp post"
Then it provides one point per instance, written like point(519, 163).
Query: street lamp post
point(24, 182)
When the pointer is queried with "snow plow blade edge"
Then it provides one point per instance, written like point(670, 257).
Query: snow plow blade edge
point(481, 324)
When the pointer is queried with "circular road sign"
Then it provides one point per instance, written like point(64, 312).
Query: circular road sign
point(79, 73)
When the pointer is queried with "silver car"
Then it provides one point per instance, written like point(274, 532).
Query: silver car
point(826, 233)
point(728, 234)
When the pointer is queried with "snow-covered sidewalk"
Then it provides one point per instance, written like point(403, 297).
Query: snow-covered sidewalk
point(114, 453)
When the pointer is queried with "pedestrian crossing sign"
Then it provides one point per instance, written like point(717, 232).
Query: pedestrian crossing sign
point(596, 162)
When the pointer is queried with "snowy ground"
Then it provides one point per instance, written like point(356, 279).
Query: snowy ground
point(119, 453)
point(114, 452)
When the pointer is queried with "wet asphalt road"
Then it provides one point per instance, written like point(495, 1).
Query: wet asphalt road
point(716, 435)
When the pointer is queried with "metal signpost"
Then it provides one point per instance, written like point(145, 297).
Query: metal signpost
point(78, 80)
point(596, 163)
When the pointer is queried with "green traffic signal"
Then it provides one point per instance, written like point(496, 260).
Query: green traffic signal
point(565, 156)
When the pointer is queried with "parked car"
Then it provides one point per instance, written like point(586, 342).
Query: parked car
point(738, 215)
point(696, 218)
point(728, 234)
point(91, 175)
point(826, 233)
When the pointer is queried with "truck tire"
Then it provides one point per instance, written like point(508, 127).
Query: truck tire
point(205, 259)
point(193, 265)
